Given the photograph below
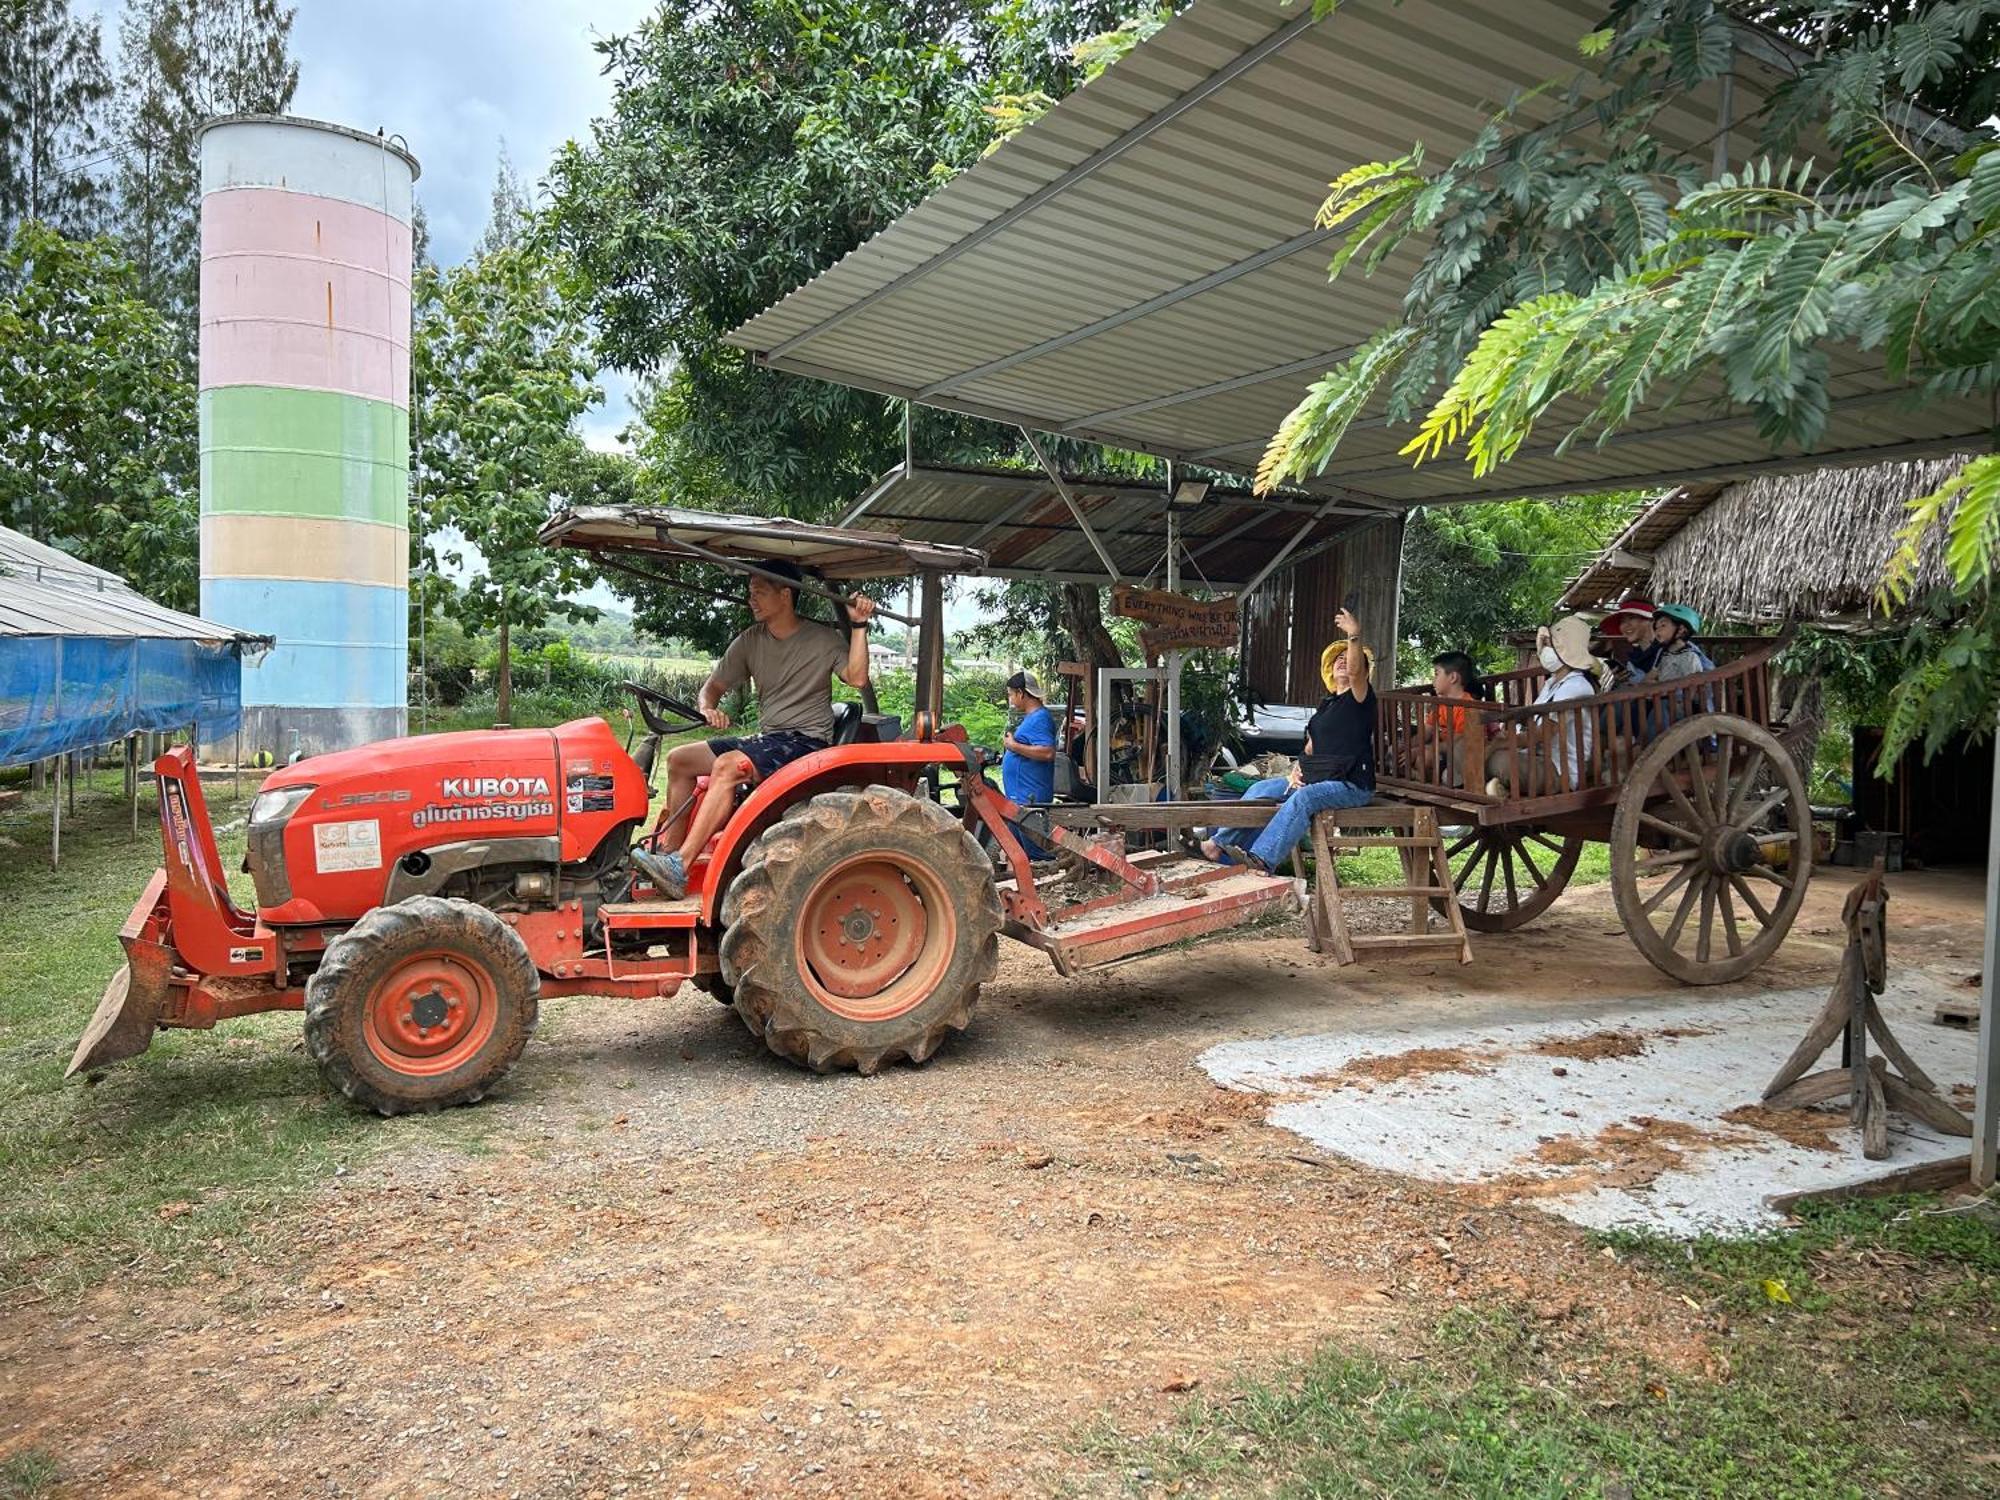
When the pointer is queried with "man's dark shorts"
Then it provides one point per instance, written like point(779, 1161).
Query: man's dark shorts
point(767, 752)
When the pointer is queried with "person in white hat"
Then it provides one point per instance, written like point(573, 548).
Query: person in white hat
point(1542, 763)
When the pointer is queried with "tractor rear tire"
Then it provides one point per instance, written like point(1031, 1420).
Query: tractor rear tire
point(860, 929)
point(421, 1005)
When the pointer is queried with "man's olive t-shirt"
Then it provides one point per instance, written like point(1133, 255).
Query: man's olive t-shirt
point(792, 676)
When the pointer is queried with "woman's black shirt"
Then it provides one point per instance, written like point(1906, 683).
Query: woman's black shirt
point(1342, 732)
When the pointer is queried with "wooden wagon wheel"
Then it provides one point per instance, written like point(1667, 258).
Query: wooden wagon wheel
point(1710, 820)
point(1507, 876)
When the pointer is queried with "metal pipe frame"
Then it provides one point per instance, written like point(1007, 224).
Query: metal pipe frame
point(1284, 552)
point(1101, 756)
point(1047, 422)
point(875, 492)
point(1076, 510)
point(737, 565)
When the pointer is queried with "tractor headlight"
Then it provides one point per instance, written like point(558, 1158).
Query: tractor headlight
point(264, 853)
point(275, 807)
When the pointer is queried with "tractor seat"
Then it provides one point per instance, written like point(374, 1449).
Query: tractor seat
point(853, 727)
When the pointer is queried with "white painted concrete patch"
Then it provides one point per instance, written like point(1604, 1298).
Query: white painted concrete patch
point(1471, 1127)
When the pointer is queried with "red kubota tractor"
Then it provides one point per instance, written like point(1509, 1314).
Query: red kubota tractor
point(417, 897)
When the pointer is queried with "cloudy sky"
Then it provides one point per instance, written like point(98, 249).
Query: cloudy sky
point(454, 78)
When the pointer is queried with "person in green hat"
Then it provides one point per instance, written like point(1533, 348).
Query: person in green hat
point(1674, 629)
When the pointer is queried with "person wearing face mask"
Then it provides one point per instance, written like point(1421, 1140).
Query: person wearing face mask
point(1543, 764)
point(1337, 768)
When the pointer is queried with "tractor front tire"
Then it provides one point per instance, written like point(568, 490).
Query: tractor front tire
point(860, 929)
point(421, 1005)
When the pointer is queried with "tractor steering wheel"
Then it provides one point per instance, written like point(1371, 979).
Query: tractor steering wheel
point(649, 700)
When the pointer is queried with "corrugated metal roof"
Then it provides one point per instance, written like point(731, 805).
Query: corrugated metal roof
point(1028, 530)
point(1627, 560)
point(1140, 266)
point(44, 591)
point(26, 557)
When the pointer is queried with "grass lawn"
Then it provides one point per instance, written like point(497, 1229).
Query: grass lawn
point(175, 1159)
point(1860, 1361)
point(1383, 867)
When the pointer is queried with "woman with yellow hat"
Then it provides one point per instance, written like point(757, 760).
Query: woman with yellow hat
point(1337, 768)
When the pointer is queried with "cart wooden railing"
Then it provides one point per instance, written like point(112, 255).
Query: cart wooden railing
point(1571, 757)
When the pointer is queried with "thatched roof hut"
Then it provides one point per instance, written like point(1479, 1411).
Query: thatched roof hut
point(1778, 547)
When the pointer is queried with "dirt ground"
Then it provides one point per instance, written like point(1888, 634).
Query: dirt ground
point(685, 1268)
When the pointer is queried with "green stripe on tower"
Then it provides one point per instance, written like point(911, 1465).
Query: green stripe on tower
point(273, 450)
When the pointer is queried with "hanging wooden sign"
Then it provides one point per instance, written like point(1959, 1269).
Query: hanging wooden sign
point(1178, 622)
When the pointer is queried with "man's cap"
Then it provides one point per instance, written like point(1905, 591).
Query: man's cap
point(1027, 682)
point(786, 570)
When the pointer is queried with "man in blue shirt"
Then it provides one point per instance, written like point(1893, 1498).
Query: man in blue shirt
point(1027, 770)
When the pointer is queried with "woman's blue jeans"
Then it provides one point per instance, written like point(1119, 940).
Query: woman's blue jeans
point(1274, 842)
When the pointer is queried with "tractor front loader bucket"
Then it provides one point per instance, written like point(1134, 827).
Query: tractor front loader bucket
point(130, 1009)
point(191, 956)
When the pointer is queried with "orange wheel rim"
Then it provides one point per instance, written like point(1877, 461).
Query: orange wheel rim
point(875, 936)
point(433, 1013)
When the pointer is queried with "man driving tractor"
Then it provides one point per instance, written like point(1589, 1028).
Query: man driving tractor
point(789, 659)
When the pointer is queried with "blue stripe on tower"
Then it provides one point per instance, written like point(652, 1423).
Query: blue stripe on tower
point(340, 645)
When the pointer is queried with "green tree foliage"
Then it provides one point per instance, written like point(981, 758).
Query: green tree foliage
point(1616, 273)
point(53, 89)
point(181, 62)
point(503, 361)
point(507, 217)
point(1475, 574)
point(1092, 55)
point(97, 451)
point(752, 144)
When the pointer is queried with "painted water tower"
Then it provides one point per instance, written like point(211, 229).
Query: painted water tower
point(305, 422)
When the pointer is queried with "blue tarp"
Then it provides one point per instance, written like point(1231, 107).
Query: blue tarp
point(71, 692)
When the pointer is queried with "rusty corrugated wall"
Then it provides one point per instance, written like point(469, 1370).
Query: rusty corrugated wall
point(1289, 621)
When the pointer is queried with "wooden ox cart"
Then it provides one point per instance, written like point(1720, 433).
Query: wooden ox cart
point(1690, 783)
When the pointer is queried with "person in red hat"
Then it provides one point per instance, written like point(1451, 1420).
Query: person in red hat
point(1634, 653)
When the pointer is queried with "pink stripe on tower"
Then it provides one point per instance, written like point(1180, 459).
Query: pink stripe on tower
point(273, 221)
point(304, 357)
point(304, 291)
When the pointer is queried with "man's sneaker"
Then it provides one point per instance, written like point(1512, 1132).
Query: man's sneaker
point(666, 872)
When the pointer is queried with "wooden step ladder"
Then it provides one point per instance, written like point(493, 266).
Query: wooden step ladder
point(1413, 832)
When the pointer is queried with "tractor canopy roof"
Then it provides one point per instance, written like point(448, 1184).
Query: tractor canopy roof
point(747, 541)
